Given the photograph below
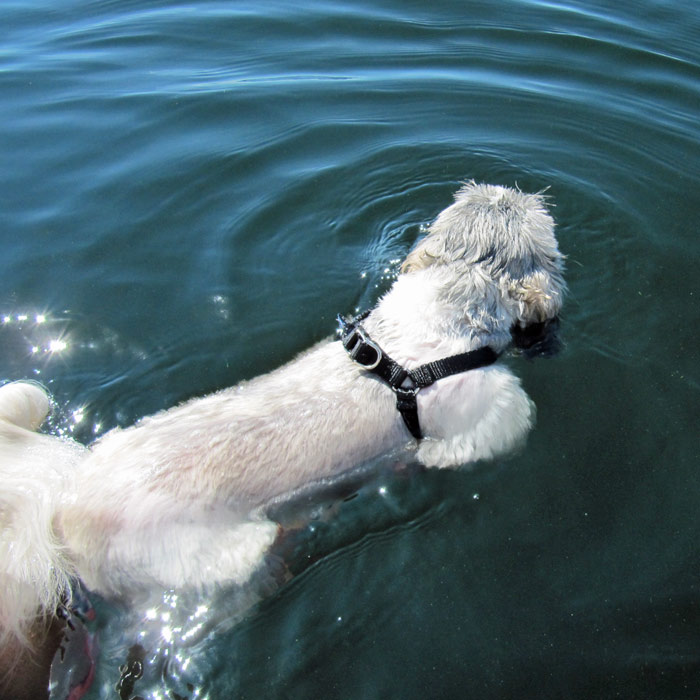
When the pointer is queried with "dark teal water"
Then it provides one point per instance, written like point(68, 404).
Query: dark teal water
point(189, 193)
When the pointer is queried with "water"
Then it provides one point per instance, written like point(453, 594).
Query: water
point(190, 192)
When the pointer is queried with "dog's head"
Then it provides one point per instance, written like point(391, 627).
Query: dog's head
point(498, 244)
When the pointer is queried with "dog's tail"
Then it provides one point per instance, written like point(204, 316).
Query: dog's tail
point(35, 475)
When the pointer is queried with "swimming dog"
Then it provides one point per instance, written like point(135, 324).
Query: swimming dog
point(180, 499)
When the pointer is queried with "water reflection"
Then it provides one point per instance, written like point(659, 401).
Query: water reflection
point(41, 333)
point(69, 354)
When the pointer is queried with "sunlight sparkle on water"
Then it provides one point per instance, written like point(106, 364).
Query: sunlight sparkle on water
point(29, 322)
point(191, 632)
point(183, 661)
point(57, 345)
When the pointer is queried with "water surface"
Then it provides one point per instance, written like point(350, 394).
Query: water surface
point(191, 191)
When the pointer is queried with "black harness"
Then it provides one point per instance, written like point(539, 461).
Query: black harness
point(405, 383)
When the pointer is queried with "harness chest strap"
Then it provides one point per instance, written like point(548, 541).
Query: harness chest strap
point(403, 382)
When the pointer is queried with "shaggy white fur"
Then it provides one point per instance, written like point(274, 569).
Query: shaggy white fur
point(179, 499)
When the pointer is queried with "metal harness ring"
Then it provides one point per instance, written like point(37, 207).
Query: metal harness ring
point(361, 341)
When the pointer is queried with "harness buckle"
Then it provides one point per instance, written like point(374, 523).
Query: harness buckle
point(356, 342)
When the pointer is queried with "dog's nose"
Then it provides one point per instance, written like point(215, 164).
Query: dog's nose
point(537, 339)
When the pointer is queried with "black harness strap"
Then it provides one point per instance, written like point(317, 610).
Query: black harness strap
point(405, 383)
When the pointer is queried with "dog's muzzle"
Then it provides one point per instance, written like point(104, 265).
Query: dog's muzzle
point(537, 339)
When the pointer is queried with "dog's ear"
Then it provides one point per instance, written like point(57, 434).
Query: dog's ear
point(538, 297)
point(420, 257)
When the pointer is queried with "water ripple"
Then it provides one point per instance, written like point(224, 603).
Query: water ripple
point(206, 184)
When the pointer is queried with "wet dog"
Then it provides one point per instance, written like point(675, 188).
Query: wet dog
point(181, 499)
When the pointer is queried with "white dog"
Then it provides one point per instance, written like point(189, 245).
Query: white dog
point(180, 498)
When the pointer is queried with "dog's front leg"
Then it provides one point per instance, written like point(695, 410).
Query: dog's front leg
point(473, 416)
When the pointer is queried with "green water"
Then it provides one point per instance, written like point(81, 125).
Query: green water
point(190, 192)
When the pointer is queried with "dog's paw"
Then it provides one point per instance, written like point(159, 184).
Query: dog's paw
point(23, 404)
